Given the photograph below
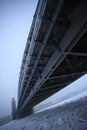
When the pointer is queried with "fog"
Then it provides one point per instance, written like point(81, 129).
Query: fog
point(15, 21)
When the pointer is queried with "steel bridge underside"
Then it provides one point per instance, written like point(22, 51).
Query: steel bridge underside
point(56, 51)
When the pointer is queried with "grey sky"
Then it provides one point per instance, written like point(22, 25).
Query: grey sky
point(15, 21)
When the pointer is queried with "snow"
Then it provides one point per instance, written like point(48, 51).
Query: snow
point(65, 110)
point(72, 92)
point(72, 116)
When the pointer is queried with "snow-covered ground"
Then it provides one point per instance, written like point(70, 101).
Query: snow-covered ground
point(65, 110)
point(72, 116)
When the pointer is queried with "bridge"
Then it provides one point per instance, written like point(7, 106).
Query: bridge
point(56, 51)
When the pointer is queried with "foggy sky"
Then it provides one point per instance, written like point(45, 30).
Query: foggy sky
point(15, 21)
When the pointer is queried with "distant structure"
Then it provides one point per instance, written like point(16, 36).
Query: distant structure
point(13, 108)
